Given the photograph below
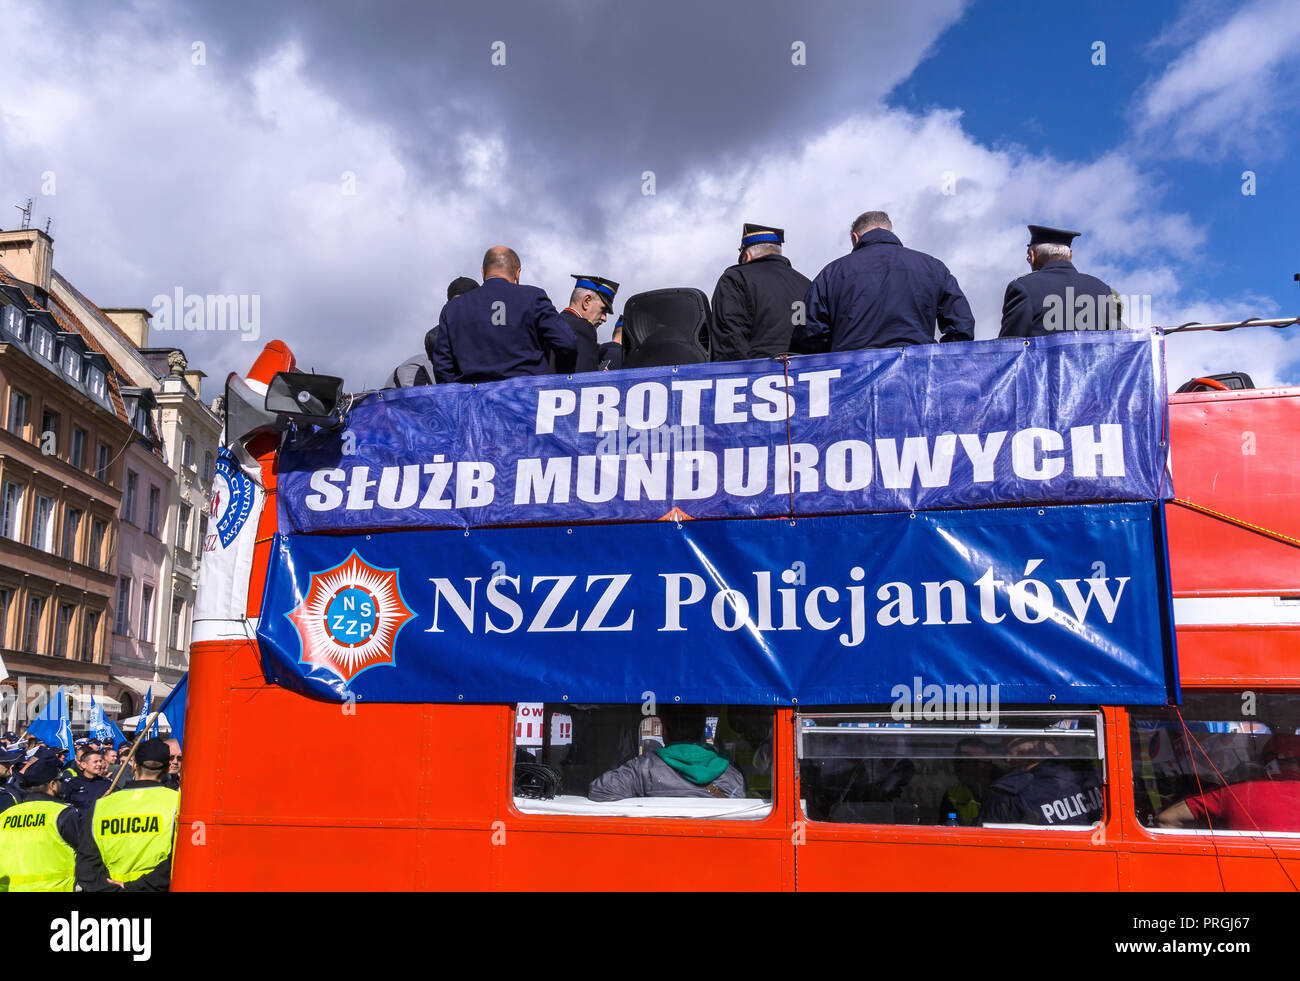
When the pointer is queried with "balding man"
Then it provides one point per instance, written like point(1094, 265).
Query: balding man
point(882, 295)
point(501, 329)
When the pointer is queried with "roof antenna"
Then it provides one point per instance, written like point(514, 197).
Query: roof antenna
point(27, 213)
point(47, 225)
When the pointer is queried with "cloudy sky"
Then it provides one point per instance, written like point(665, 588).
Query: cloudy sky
point(342, 162)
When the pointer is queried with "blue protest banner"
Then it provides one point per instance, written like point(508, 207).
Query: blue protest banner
point(1063, 604)
point(1064, 419)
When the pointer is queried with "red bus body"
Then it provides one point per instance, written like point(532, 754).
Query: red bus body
point(285, 793)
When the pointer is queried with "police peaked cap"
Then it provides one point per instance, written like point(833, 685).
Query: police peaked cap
point(1042, 235)
point(13, 755)
point(760, 234)
point(41, 771)
point(604, 288)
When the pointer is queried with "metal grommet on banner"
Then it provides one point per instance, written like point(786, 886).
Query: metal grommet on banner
point(912, 515)
point(1051, 698)
point(1026, 342)
point(794, 701)
point(564, 698)
point(1040, 510)
point(367, 538)
point(460, 698)
point(677, 698)
point(466, 532)
point(569, 531)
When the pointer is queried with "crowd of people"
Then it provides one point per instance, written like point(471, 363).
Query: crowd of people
point(100, 822)
point(881, 294)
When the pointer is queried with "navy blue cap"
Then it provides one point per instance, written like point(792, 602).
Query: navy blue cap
point(40, 771)
point(759, 234)
point(604, 288)
point(459, 285)
point(153, 751)
point(13, 755)
point(1042, 235)
point(11, 736)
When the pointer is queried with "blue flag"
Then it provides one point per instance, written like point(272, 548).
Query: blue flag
point(51, 725)
point(145, 713)
point(174, 709)
point(101, 728)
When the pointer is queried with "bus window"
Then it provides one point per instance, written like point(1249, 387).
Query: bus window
point(698, 761)
point(1030, 767)
point(1230, 766)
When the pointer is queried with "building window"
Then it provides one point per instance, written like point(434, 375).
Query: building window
point(187, 452)
point(607, 758)
point(77, 447)
point(867, 767)
point(13, 320)
point(128, 497)
point(49, 430)
point(123, 605)
point(178, 619)
point(71, 364)
point(146, 614)
point(95, 382)
point(207, 466)
point(101, 462)
point(43, 342)
point(89, 633)
point(63, 630)
point(183, 528)
point(71, 525)
point(32, 628)
point(12, 520)
point(95, 557)
point(6, 600)
point(43, 524)
point(19, 406)
point(151, 518)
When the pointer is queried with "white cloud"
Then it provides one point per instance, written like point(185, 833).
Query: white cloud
point(172, 174)
point(1227, 90)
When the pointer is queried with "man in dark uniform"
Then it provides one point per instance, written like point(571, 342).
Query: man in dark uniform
point(1056, 296)
point(9, 792)
point(882, 295)
point(757, 301)
point(591, 302)
point(611, 352)
point(82, 792)
point(457, 287)
point(1043, 789)
point(126, 841)
point(501, 329)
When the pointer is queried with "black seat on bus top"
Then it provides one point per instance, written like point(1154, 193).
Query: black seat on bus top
point(666, 327)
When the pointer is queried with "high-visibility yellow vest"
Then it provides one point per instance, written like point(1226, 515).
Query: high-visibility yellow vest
point(133, 829)
point(33, 858)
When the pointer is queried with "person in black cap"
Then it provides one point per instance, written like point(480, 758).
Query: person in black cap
point(1043, 789)
point(1056, 296)
point(38, 837)
point(9, 793)
point(757, 301)
point(421, 374)
point(882, 295)
point(611, 352)
point(127, 841)
point(501, 329)
point(590, 303)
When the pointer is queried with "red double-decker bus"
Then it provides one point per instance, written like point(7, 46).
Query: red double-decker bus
point(285, 792)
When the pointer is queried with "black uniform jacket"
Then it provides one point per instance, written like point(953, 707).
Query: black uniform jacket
point(754, 309)
point(1053, 792)
point(500, 330)
point(1052, 299)
point(883, 295)
point(585, 334)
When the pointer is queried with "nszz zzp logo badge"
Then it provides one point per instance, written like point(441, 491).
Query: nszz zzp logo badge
point(349, 619)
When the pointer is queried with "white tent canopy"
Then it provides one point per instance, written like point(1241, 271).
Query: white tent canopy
point(128, 725)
